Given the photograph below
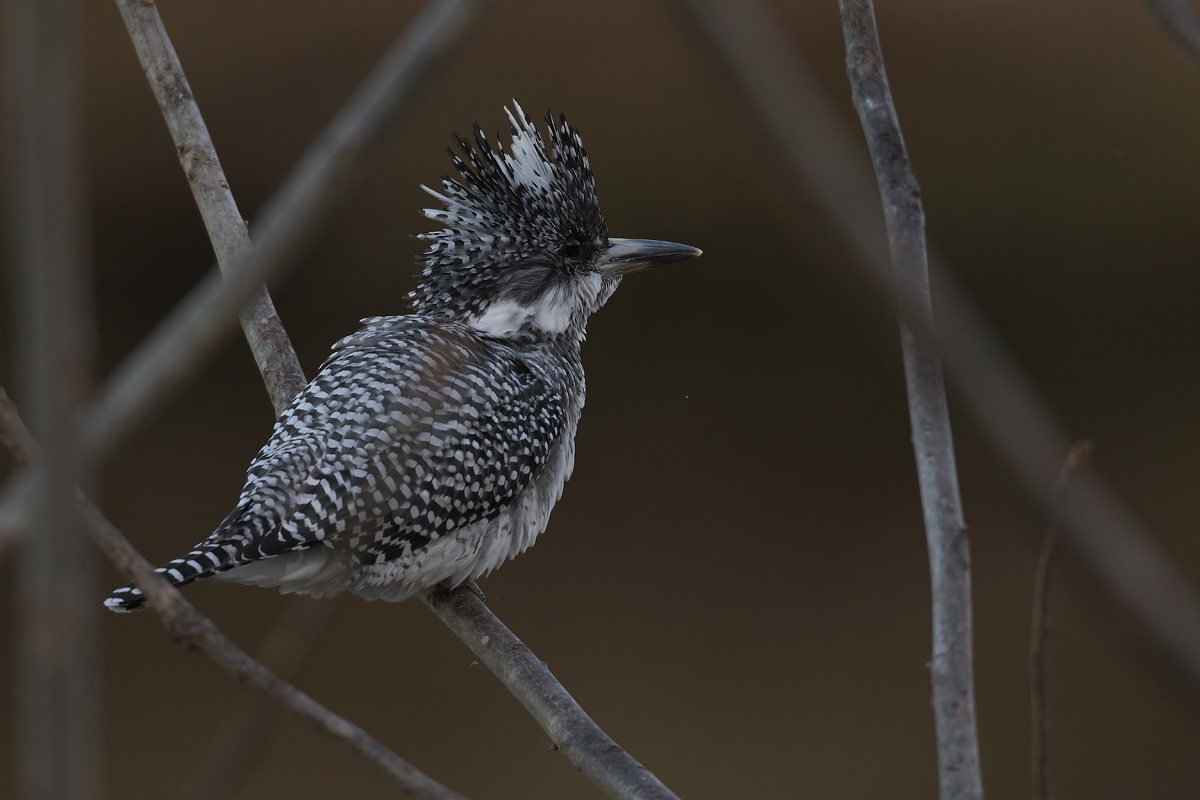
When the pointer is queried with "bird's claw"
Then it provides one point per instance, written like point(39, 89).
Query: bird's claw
point(475, 590)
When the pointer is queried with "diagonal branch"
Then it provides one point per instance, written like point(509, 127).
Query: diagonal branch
point(194, 631)
point(288, 223)
point(952, 667)
point(242, 735)
point(1112, 546)
point(573, 732)
point(264, 331)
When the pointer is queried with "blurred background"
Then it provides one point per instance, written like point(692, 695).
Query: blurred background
point(735, 583)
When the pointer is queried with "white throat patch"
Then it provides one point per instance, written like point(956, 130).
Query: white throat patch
point(551, 313)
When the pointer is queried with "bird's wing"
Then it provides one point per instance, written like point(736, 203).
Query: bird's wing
point(409, 432)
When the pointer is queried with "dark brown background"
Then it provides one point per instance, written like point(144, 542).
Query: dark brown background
point(734, 584)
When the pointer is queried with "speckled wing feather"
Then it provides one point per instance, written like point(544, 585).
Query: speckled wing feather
point(411, 430)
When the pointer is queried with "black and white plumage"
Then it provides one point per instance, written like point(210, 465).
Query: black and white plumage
point(432, 447)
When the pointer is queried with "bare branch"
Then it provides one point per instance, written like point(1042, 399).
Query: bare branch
point(1039, 638)
point(194, 631)
point(570, 728)
point(289, 222)
point(1180, 19)
point(268, 341)
point(57, 651)
point(1111, 544)
point(952, 665)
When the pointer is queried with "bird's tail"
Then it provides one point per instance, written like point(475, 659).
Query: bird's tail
point(206, 560)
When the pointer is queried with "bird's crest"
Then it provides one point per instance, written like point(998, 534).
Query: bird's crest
point(509, 210)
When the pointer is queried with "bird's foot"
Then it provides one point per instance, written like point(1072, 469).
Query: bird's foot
point(470, 585)
point(475, 590)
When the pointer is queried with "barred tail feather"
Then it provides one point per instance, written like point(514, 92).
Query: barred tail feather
point(203, 562)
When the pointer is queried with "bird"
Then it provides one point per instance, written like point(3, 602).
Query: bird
point(431, 447)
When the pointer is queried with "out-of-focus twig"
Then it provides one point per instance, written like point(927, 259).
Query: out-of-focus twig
point(286, 225)
point(194, 631)
point(226, 229)
point(1079, 456)
point(573, 732)
point(1180, 19)
point(1110, 543)
point(236, 747)
point(56, 653)
point(952, 666)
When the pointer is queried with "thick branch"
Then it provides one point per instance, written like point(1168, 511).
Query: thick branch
point(570, 728)
point(268, 341)
point(952, 667)
point(196, 632)
point(289, 222)
point(1112, 545)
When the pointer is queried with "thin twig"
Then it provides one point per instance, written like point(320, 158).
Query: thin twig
point(573, 732)
point(287, 224)
point(952, 666)
point(194, 631)
point(57, 651)
point(1112, 545)
point(1180, 19)
point(1079, 456)
point(268, 341)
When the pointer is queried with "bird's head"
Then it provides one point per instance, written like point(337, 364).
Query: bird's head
point(525, 251)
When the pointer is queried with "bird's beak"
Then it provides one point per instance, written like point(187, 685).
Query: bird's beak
point(624, 256)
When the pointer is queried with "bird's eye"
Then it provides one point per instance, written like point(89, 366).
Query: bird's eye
point(571, 247)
